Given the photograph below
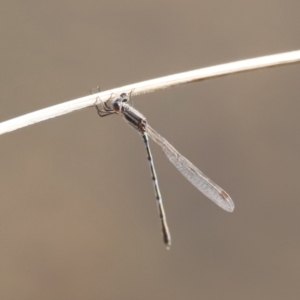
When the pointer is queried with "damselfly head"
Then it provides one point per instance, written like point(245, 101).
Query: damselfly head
point(118, 102)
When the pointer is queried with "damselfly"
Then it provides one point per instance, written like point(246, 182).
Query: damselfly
point(120, 105)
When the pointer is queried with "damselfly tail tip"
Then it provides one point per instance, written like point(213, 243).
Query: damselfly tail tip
point(167, 242)
point(166, 236)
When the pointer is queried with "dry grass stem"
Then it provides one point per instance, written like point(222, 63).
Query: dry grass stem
point(151, 86)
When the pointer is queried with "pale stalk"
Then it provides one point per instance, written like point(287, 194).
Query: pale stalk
point(151, 86)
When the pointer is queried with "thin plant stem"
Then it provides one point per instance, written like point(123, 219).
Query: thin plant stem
point(151, 86)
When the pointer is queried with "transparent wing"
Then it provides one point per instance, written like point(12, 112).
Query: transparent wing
point(192, 173)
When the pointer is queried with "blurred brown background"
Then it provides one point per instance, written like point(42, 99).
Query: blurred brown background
point(78, 217)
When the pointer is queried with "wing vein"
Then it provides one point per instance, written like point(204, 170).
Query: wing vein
point(205, 185)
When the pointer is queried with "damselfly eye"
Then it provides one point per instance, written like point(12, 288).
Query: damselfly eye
point(117, 106)
point(124, 97)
